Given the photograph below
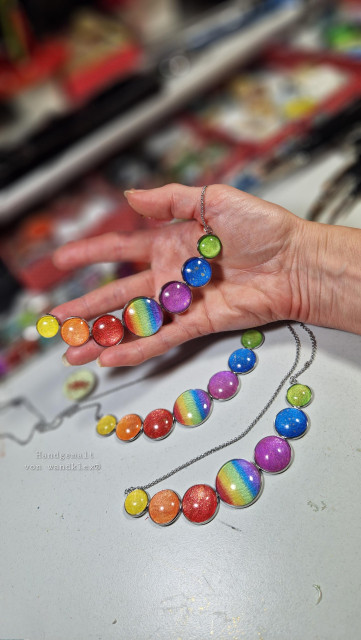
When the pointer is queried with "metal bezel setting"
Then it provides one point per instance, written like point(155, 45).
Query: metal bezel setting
point(142, 513)
point(96, 320)
point(249, 504)
point(293, 437)
point(75, 318)
point(206, 235)
point(129, 303)
point(136, 436)
point(243, 373)
point(50, 315)
point(199, 524)
point(194, 426)
point(224, 399)
point(161, 437)
point(195, 286)
point(106, 435)
point(295, 406)
point(167, 524)
point(258, 346)
point(176, 313)
point(275, 473)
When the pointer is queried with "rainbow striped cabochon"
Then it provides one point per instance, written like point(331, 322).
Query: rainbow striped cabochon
point(143, 316)
point(192, 407)
point(239, 483)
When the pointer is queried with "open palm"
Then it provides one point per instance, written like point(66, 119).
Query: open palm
point(252, 279)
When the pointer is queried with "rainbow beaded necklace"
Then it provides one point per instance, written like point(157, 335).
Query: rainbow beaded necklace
point(141, 316)
point(192, 407)
point(239, 482)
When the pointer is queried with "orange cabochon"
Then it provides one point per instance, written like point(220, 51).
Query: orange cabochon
point(164, 507)
point(75, 331)
point(129, 427)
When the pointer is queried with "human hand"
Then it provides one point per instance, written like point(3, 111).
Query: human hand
point(253, 279)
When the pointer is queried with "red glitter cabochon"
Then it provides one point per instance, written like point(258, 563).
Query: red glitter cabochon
point(107, 331)
point(200, 504)
point(158, 424)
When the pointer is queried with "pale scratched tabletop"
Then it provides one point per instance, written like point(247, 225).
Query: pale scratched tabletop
point(74, 566)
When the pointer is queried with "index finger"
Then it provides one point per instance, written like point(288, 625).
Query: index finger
point(109, 247)
point(110, 297)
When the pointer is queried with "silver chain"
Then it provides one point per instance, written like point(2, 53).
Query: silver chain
point(289, 375)
point(293, 379)
point(206, 227)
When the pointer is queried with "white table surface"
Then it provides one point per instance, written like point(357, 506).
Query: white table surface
point(74, 566)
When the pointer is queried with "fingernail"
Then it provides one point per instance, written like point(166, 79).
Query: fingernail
point(130, 191)
point(98, 362)
point(65, 360)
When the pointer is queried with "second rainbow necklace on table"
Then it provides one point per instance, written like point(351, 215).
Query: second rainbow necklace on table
point(239, 482)
point(192, 407)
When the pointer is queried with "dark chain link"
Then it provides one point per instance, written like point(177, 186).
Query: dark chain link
point(288, 376)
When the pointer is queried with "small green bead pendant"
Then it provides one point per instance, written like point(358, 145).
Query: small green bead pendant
point(252, 338)
point(299, 395)
point(209, 246)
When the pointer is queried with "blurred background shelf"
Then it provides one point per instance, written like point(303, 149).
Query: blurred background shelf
point(210, 66)
point(262, 96)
